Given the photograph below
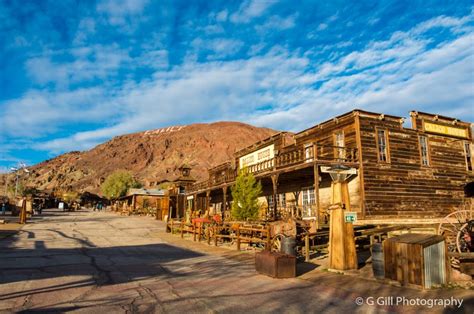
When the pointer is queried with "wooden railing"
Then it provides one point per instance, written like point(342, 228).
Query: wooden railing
point(228, 176)
point(231, 233)
point(299, 155)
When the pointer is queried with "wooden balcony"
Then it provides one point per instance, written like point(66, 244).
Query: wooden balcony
point(286, 159)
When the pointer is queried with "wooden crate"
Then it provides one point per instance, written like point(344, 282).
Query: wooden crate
point(416, 259)
point(276, 265)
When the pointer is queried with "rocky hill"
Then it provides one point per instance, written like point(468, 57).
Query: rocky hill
point(151, 156)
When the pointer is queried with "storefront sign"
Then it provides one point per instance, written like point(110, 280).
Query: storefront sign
point(446, 130)
point(258, 156)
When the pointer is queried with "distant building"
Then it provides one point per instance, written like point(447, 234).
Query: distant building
point(146, 201)
point(176, 189)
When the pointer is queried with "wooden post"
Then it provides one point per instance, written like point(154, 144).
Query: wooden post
point(194, 231)
point(269, 239)
point(193, 210)
point(171, 226)
point(216, 229)
point(208, 200)
point(170, 214)
point(306, 247)
point(342, 253)
point(182, 229)
point(224, 202)
point(199, 231)
point(208, 234)
point(238, 237)
point(316, 194)
point(23, 211)
point(275, 189)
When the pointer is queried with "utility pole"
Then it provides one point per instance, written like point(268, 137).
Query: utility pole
point(16, 185)
point(6, 184)
point(21, 166)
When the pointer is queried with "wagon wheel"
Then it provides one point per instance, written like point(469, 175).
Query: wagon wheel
point(454, 226)
point(464, 237)
point(276, 243)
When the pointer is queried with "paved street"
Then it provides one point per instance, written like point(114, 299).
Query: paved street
point(105, 263)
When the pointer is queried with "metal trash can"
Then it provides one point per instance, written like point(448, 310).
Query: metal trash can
point(288, 246)
point(378, 265)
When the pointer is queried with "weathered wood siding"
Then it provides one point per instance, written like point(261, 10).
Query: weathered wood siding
point(403, 187)
point(324, 137)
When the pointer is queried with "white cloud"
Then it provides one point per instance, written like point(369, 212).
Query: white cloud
point(276, 22)
point(222, 16)
point(391, 76)
point(89, 63)
point(220, 47)
point(118, 10)
point(86, 27)
point(37, 114)
point(250, 9)
point(322, 26)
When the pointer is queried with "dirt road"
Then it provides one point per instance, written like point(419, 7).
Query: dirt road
point(94, 262)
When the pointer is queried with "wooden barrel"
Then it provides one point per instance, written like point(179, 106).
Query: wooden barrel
point(378, 266)
point(288, 246)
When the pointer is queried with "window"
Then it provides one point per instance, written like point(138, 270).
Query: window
point(281, 200)
point(308, 196)
point(308, 202)
point(270, 201)
point(308, 152)
point(425, 159)
point(468, 152)
point(382, 145)
point(339, 143)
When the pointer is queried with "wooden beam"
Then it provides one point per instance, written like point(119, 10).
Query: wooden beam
point(224, 202)
point(316, 193)
point(208, 201)
point(361, 167)
point(275, 191)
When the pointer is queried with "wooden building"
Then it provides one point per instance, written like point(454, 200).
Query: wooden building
point(176, 188)
point(400, 174)
point(145, 201)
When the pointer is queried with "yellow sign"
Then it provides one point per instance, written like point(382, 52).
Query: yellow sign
point(446, 130)
point(258, 156)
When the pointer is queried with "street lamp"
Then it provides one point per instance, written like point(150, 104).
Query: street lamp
point(342, 253)
point(22, 166)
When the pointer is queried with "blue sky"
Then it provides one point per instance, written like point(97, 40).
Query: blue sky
point(76, 73)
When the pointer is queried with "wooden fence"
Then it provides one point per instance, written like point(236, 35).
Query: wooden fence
point(237, 233)
point(261, 236)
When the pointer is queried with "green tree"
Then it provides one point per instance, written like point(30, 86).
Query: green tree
point(118, 183)
point(71, 196)
point(245, 193)
point(22, 190)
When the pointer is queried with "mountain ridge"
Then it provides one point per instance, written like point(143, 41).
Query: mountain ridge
point(151, 155)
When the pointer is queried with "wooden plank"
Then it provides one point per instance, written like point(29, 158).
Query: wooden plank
point(361, 167)
point(467, 268)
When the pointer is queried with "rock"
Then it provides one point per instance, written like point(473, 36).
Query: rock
point(456, 275)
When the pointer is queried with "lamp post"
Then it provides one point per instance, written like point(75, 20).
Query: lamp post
point(22, 166)
point(342, 253)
